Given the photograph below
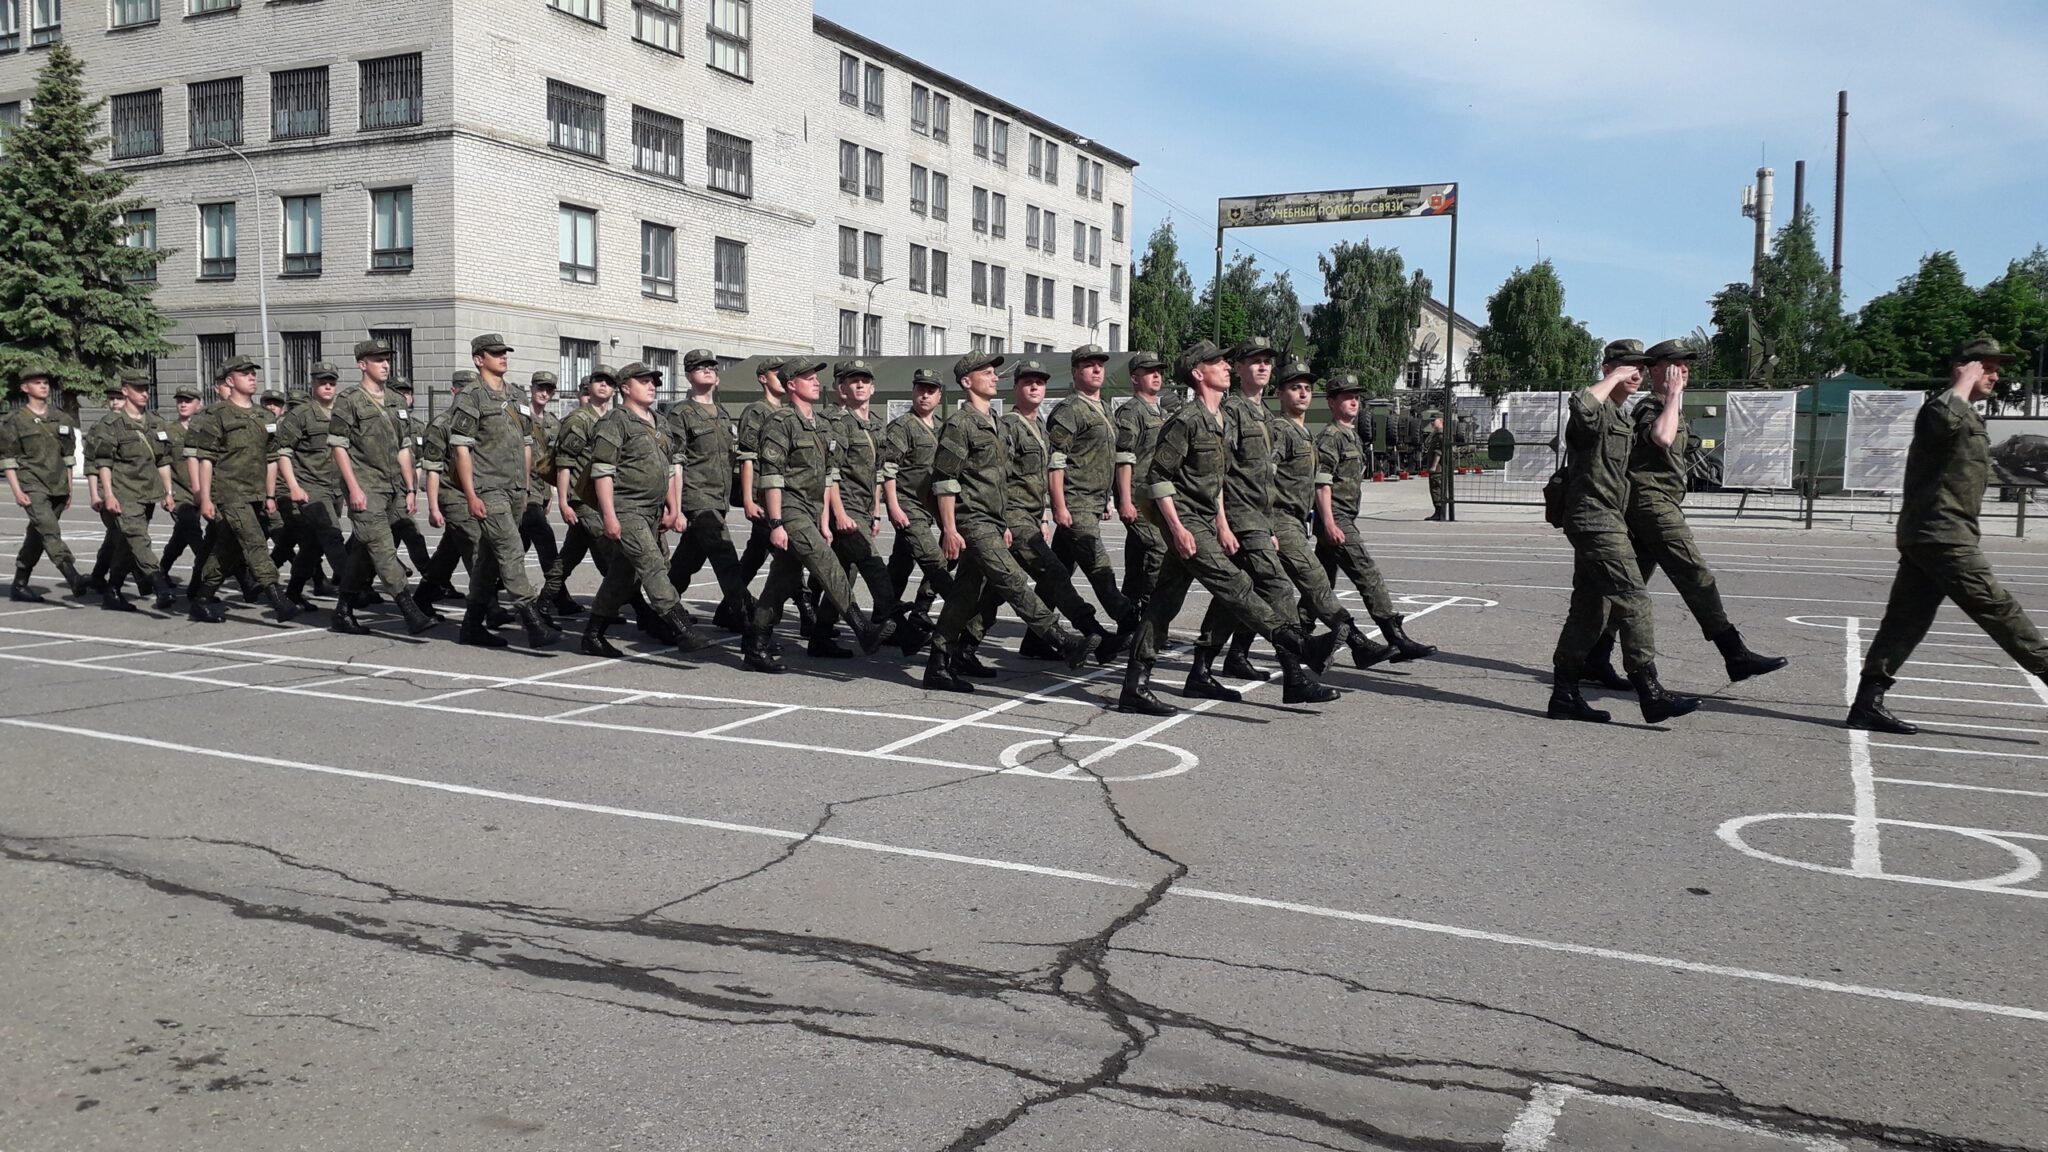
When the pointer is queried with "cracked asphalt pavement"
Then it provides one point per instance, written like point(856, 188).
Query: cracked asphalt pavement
point(268, 888)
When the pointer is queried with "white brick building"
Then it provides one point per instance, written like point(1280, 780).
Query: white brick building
point(617, 179)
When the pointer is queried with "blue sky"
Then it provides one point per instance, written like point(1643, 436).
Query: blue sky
point(1612, 137)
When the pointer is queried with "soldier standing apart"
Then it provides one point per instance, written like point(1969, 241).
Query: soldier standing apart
point(1606, 583)
point(705, 439)
point(856, 508)
point(186, 526)
point(970, 491)
point(305, 462)
point(373, 462)
point(1341, 461)
point(130, 453)
point(1436, 458)
point(571, 453)
point(795, 476)
point(534, 530)
point(1940, 551)
point(38, 446)
point(1083, 468)
point(1656, 521)
point(1187, 486)
point(1137, 433)
point(1296, 470)
point(636, 486)
point(908, 448)
point(491, 457)
point(229, 451)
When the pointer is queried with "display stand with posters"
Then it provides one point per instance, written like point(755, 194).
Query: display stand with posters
point(1880, 432)
point(1761, 437)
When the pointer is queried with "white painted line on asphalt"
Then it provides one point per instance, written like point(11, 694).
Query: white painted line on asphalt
point(1864, 856)
point(1960, 787)
point(2043, 732)
point(36, 644)
point(1965, 683)
point(1537, 1122)
point(541, 678)
point(972, 718)
point(1453, 931)
point(587, 709)
point(1958, 751)
point(33, 611)
point(330, 683)
point(771, 714)
point(1969, 700)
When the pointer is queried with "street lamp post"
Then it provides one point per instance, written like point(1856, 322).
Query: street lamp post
point(870, 309)
point(262, 288)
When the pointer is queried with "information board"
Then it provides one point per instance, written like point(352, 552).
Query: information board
point(1761, 437)
point(1534, 418)
point(1880, 431)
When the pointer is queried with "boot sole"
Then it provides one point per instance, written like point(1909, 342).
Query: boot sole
point(1594, 718)
point(1663, 714)
point(1865, 724)
point(1138, 708)
point(1774, 666)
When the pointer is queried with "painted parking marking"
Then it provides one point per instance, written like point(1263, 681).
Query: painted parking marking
point(1536, 1124)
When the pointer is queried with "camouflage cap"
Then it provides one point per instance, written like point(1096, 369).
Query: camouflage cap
point(971, 362)
point(112, 387)
point(636, 370)
point(138, 377)
point(187, 393)
point(488, 342)
point(855, 367)
point(1295, 370)
point(697, 358)
point(1624, 352)
point(769, 365)
point(600, 372)
point(400, 382)
point(545, 380)
point(1671, 350)
point(1252, 346)
point(1980, 348)
point(34, 369)
point(324, 371)
point(1087, 352)
point(371, 349)
point(464, 377)
point(926, 378)
point(1147, 362)
point(797, 366)
point(1031, 369)
point(238, 364)
point(275, 397)
point(1342, 383)
point(1199, 353)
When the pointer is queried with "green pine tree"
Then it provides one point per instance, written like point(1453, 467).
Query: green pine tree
point(70, 293)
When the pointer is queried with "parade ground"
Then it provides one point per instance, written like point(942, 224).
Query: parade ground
point(267, 887)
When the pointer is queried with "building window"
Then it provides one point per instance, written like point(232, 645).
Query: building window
point(920, 188)
point(980, 208)
point(1116, 283)
point(657, 144)
point(576, 243)
point(130, 13)
point(1030, 295)
point(1116, 337)
point(1095, 181)
point(10, 28)
point(1050, 241)
point(301, 352)
point(916, 339)
point(216, 112)
point(731, 33)
point(1034, 164)
point(302, 235)
point(939, 195)
point(1052, 162)
point(10, 112)
point(920, 109)
point(1116, 223)
point(141, 224)
point(938, 277)
point(1080, 306)
point(871, 335)
point(591, 10)
point(138, 123)
point(400, 340)
point(657, 261)
point(1032, 216)
point(1045, 297)
point(999, 215)
point(849, 326)
point(1094, 309)
point(942, 117)
point(872, 186)
point(46, 22)
point(872, 87)
point(202, 7)
point(981, 135)
point(919, 263)
point(217, 241)
point(391, 229)
point(849, 251)
point(978, 283)
point(730, 160)
point(1095, 247)
point(1080, 242)
point(849, 80)
point(998, 279)
point(1080, 175)
point(935, 341)
point(979, 343)
point(391, 92)
point(298, 104)
point(575, 119)
point(659, 24)
point(662, 360)
point(999, 144)
point(729, 273)
point(849, 167)
point(997, 344)
point(578, 359)
point(214, 354)
point(871, 256)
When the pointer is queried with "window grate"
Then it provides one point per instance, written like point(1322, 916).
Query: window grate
point(214, 353)
point(391, 92)
point(301, 352)
point(578, 359)
point(138, 124)
point(298, 104)
point(216, 112)
point(657, 144)
point(731, 161)
point(575, 119)
point(729, 275)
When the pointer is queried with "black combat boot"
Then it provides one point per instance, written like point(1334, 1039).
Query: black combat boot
point(71, 577)
point(498, 616)
point(1869, 713)
point(563, 604)
point(1742, 663)
point(342, 619)
point(1299, 684)
point(166, 595)
point(941, 673)
point(475, 632)
point(650, 622)
point(206, 610)
point(1567, 704)
point(539, 633)
point(1112, 644)
point(20, 592)
point(966, 663)
point(867, 631)
point(728, 616)
point(1320, 650)
point(1365, 651)
point(416, 618)
point(1202, 683)
point(1599, 667)
point(824, 644)
point(806, 613)
point(281, 609)
point(428, 594)
point(1035, 647)
point(1658, 704)
point(1404, 648)
point(594, 642)
point(115, 600)
point(1291, 639)
point(1238, 661)
point(322, 586)
point(1071, 647)
point(689, 637)
point(913, 632)
point(757, 651)
point(1137, 695)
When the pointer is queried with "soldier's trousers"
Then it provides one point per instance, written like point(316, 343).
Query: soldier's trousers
point(458, 541)
point(917, 546)
point(405, 531)
point(233, 540)
point(1439, 487)
point(757, 550)
point(285, 536)
point(1144, 553)
point(1607, 586)
point(1357, 563)
point(856, 552)
point(372, 548)
point(133, 551)
point(1928, 573)
point(1049, 581)
point(1666, 542)
point(319, 532)
point(44, 536)
point(807, 551)
point(1230, 588)
point(536, 533)
point(1258, 560)
point(1080, 547)
point(187, 529)
point(1298, 560)
point(498, 556)
point(583, 538)
point(988, 567)
point(704, 540)
point(636, 561)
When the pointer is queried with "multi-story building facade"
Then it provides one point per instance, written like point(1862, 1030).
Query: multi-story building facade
point(598, 180)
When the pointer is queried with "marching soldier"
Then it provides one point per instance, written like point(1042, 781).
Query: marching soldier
point(405, 531)
point(1137, 433)
point(970, 491)
point(856, 513)
point(1341, 460)
point(910, 444)
point(490, 457)
point(794, 459)
point(446, 509)
point(186, 526)
point(534, 530)
point(571, 454)
point(1082, 470)
point(771, 374)
point(1186, 484)
point(372, 457)
point(38, 446)
point(305, 462)
point(229, 451)
point(1940, 553)
point(705, 437)
point(1656, 521)
point(129, 453)
point(1436, 459)
point(1296, 469)
point(1607, 584)
point(636, 486)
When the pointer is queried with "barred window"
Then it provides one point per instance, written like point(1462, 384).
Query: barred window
point(657, 261)
point(920, 109)
point(575, 119)
point(391, 229)
point(729, 275)
point(849, 80)
point(872, 187)
point(657, 144)
point(731, 34)
point(302, 236)
point(942, 117)
point(849, 326)
point(873, 89)
point(871, 256)
point(871, 335)
point(939, 195)
point(130, 13)
point(576, 244)
point(141, 224)
point(216, 111)
point(214, 351)
point(202, 7)
point(391, 92)
point(659, 24)
point(849, 251)
point(578, 359)
point(138, 123)
point(217, 241)
point(662, 360)
point(978, 283)
point(730, 160)
point(400, 340)
point(939, 279)
point(919, 261)
point(301, 352)
point(591, 10)
point(920, 188)
point(298, 103)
